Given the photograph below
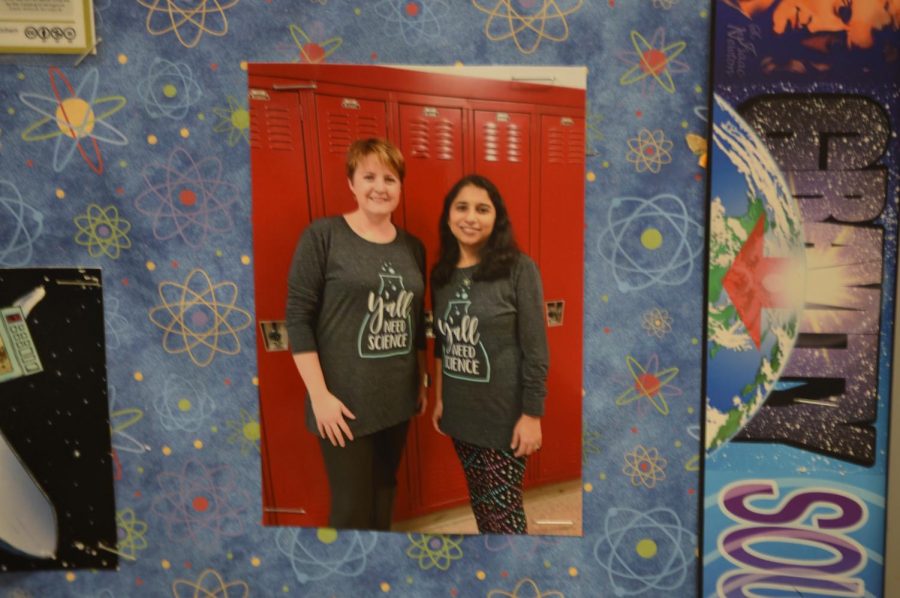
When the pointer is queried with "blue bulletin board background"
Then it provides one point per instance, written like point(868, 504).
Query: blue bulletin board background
point(167, 129)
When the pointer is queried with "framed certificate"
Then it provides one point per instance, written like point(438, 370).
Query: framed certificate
point(46, 26)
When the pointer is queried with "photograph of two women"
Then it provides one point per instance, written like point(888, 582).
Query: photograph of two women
point(418, 235)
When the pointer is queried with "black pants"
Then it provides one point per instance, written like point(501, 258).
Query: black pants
point(363, 478)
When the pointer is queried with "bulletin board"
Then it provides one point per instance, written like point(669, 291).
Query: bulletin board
point(136, 161)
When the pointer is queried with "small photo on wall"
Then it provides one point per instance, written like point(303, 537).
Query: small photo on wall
point(57, 507)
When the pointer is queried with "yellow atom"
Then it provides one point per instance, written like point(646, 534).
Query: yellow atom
point(184, 405)
point(251, 431)
point(646, 548)
point(75, 118)
point(169, 90)
point(240, 119)
point(326, 535)
point(651, 238)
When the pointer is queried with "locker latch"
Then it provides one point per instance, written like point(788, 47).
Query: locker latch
point(430, 111)
point(350, 104)
point(566, 121)
point(429, 323)
point(555, 311)
point(259, 94)
point(274, 333)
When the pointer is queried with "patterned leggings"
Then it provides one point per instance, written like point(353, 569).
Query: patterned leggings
point(495, 480)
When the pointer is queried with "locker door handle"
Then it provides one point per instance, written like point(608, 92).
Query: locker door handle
point(555, 311)
point(274, 333)
point(350, 104)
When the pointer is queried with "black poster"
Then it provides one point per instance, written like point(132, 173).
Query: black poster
point(57, 508)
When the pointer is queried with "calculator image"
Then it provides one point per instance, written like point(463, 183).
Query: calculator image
point(18, 355)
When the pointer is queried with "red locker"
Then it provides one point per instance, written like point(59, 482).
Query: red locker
point(528, 139)
point(503, 154)
point(341, 120)
point(562, 175)
point(276, 133)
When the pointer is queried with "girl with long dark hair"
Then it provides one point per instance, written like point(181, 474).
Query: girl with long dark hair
point(490, 351)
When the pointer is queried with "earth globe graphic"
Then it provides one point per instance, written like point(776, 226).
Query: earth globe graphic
point(756, 276)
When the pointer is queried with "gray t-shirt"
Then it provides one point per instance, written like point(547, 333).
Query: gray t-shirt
point(493, 346)
point(358, 304)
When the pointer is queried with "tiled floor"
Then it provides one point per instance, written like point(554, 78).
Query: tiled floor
point(551, 510)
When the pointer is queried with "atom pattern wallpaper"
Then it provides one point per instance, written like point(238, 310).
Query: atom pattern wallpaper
point(136, 161)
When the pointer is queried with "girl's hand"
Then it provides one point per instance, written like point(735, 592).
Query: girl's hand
point(526, 438)
point(422, 401)
point(330, 413)
point(436, 416)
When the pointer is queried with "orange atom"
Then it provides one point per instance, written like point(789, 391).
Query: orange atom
point(653, 61)
point(647, 384)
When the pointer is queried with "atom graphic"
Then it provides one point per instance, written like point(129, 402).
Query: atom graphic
point(169, 89)
point(20, 226)
point(525, 588)
point(201, 505)
point(183, 404)
point(648, 382)
point(244, 433)
point(658, 538)
point(637, 228)
point(131, 534)
point(650, 150)
point(186, 198)
point(333, 552)
point(116, 324)
point(119, 421)
point(71, 119)
point(657, 322)
point(170, 17)
point(419, 21)
point(531, 26)
point(517, 544)
point(210, 584)
point(102, 231)
point(645, 467)
point(653, 59)
point(312, 52)
point(434, 550)
point(234, 120)
point(594, 134)
point(590, 443)
point(200, 318)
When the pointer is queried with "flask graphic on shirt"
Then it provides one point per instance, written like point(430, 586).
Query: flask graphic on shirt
point(464, 355)
point(386, 328)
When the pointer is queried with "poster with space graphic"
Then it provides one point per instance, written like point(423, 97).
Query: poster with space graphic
point(57, 509)
point(802, 250)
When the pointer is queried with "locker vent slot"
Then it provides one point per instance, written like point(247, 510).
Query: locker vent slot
point(344, 128)
point(271, 128)
point(502, 141)
point(431, 139)
point(565, 145)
